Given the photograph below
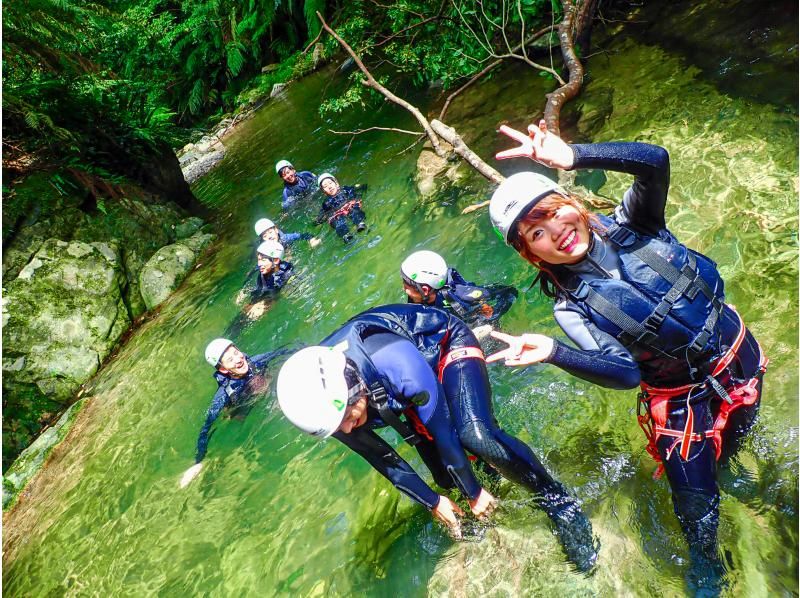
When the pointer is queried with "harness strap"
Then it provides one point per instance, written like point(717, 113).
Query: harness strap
point(419, 427)
point(345, 209)
point(379, 399)
point(653, 406)
point(458, 354)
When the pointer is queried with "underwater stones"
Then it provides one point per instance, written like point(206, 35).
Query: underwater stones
point(165, 271)
point(62, 317)
point(431, 167)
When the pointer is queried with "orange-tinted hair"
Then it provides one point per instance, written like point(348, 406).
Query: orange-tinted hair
point(547, 208)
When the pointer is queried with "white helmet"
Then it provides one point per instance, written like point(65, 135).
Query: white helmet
point(272, 249)
point(516, 196)
point(312, 390)
point(264, 224)
point(215, 349)
point(281, 165)
point(424, 268)
point(323, 176)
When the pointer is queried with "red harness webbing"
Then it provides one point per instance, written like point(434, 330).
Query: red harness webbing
point(457, 354)
point(416, 422)
point(653, 408)
point(344, 210)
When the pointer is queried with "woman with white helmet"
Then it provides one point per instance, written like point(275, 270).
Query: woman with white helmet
point(240, 378)
point(296, 185)
point(341, 203)
point(427, 280)
point(384, 363)
point(643, 309)
point(267, 230)
point(273, 271)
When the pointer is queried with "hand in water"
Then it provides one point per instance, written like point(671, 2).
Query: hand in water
point(484, 505)
point(482, 332)
point(539, 145)
point(522, 350)
point(190, 474)
point(240, 296)
point(447, 512)
point(314, 242)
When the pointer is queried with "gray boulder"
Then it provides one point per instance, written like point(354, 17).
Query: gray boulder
point(432, 169)
point(187, 227)
point(164, 272)
point(62, 316)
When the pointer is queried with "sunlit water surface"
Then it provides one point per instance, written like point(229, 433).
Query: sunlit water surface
point(277, 513)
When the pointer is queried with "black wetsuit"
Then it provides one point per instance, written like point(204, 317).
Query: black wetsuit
point(678, 345)
point(335, 210)
point(303, 186)
point(409, 381)
point(273, 282)
point(469, 397)
point(234, 393)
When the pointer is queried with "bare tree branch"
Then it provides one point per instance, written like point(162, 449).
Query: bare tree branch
point(360, 131)
point(313, 41)
point(370, 81)
point(450, 135)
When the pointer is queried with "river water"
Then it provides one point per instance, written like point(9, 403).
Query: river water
point(274, 513)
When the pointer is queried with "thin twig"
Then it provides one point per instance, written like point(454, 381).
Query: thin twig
point(314, 41)
point(360, 131)
point(421, 137)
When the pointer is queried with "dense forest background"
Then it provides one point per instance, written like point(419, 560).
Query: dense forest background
point(96, 91)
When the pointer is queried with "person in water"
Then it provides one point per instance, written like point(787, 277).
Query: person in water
point(240, 379)
point(296, 185)
point(427, 280)
point(267, 230)
point(643, 310)
point(341, 203)
point(386, 361)
point(273, 272)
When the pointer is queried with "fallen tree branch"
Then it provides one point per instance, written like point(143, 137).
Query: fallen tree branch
point(359, 131)
point(370, 82)
point(450, 135)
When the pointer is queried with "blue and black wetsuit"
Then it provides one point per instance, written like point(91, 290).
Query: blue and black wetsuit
point(436, 334)
point(304, 185)
point(286, 239)
point(336, 209)
point(472, 303)
point(411, 385)
point(235, 393)
point(273, 282)
point(642, 307)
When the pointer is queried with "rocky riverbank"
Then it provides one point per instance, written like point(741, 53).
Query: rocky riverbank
point(74, 281)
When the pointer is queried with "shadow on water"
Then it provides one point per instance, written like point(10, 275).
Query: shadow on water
point(276, 513)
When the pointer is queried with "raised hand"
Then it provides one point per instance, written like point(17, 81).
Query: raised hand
point(190, 474)
point(522, 350)
point(539, 145)
point(447, 512)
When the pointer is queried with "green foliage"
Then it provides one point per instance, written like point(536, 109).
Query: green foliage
point(431, 41)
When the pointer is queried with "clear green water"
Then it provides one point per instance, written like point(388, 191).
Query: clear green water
point(274, 513)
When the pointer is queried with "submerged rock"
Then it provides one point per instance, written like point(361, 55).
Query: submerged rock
point(433, 169)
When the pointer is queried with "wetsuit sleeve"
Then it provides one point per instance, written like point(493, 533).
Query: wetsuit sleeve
point(643, 204)
point(600, 358)
point(217, 405)
point(289, 238)
point(288, 199)
point(390, 465)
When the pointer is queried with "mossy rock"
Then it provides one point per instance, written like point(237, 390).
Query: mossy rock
point(164, 272)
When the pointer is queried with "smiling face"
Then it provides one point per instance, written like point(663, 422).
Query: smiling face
point(555, 232)
point(355, 416)
point(233, 363)
point(330, 187)
point(271, 234)
point(267, 264)
point(289, 175)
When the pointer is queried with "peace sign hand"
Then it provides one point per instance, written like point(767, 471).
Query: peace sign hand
point(522, 350)
point(539, 145)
